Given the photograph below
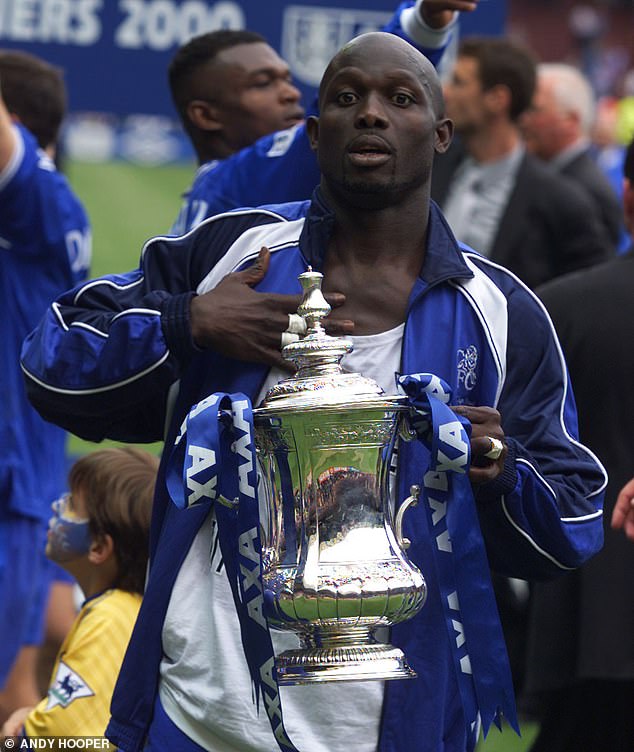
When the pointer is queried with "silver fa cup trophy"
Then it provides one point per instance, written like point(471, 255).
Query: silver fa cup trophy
point(334, 564)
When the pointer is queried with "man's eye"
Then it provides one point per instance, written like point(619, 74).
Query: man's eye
point(261, 83)
point(402, 99)
point(346, 97)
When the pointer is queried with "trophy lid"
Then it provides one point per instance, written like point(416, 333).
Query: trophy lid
point(320, 381)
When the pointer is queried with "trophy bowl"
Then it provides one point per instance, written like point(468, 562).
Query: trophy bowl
point(334, 567)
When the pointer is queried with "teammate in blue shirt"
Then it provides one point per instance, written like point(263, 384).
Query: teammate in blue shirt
point(235, 96)
point(44, 249)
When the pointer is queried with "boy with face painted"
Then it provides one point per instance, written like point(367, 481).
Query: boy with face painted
point(99, 534)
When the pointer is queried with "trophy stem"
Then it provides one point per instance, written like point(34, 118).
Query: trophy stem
point(323, 638)
point(351, 656)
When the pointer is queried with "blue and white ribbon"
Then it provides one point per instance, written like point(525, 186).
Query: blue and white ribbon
point(214, 458)
point(471, 616)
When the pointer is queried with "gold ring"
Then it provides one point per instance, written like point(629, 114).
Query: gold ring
point(497, 447)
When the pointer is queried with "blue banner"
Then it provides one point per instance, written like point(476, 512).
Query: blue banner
point(115, 54)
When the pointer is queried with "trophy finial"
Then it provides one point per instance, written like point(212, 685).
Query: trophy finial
point(314, 307)
point(319, 377)
point(316, 353)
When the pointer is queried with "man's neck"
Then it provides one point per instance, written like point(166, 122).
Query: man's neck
point(569, 151)
point(492, 143)
point(382, 236)
point(208, 152)
point(373, 258)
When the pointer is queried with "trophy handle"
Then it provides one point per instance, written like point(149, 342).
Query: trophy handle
point(406, 430)
point(410, 501)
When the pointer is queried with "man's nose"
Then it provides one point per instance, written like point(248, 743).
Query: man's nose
point(371, 113)
point(289, 92)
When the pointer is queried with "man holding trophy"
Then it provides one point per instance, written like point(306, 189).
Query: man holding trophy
point(197, 331)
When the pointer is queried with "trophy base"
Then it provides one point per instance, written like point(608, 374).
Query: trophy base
point(349, 663)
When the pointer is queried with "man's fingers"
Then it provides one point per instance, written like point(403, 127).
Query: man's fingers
point(285, 365)
point(479, 475)
point(624, 505)
point(258, 269)
point(335, 299)
point(623, 508)
point(338, 328)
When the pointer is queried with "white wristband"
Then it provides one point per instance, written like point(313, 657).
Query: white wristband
point(421, 33)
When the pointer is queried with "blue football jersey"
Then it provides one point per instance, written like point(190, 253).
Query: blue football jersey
point(45, 245)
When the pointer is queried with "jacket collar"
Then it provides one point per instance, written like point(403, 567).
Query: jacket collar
point(443, 256)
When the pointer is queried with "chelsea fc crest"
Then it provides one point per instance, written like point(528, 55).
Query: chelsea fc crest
point(311, 35)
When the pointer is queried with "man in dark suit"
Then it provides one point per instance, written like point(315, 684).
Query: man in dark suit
point(557, 129)
point(497, 197)
point(581, 654)
point(511, 206)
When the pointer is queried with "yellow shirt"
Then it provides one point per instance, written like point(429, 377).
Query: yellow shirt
point(86, 669)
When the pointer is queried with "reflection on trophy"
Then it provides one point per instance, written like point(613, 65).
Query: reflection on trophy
point(334, 563)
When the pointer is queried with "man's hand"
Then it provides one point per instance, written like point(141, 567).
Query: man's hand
point(623, 513)
point(244, 324)
point(485, 425)
point(439, 13)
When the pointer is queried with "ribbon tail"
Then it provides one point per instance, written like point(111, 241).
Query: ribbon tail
point(463, 569)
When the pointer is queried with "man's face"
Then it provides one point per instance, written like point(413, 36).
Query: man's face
point(464, 97)
point(251, 88)
point(544, 127)
point(376, 132)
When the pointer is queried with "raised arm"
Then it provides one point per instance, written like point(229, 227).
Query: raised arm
point(103, 360)
point(440, 13)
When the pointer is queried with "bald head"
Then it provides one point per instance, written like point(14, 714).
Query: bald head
point(380, 124)
point(393, 51)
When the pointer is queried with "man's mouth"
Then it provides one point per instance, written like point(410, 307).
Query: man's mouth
point(295, 118)
point(369, 151)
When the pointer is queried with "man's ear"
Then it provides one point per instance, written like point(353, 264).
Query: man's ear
point(101, 549)
point(204, 115)
point(312, 129)
point(444, 135)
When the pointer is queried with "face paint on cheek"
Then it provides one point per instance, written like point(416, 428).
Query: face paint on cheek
point(68, 538)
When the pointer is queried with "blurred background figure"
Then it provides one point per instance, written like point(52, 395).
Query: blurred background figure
point(99, 534)
point(580, 665)
point(557, 128)
point(230, 87)
point(497, 197)
point(508, 204)
point(45, 245)
point(606, 149)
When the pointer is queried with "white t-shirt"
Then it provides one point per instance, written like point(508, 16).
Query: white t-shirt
point(205, 685)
